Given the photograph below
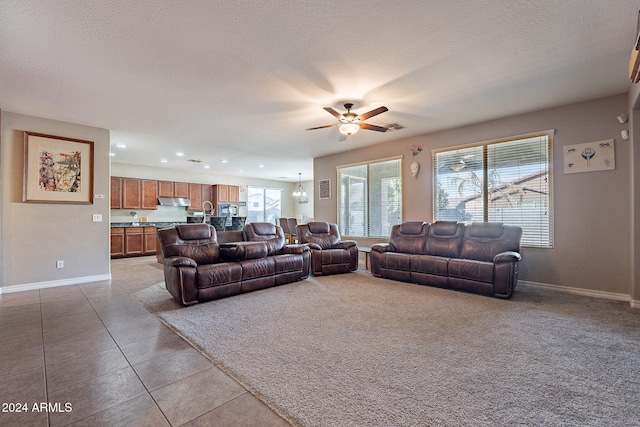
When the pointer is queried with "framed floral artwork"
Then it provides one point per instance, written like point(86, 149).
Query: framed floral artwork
point(57, 169)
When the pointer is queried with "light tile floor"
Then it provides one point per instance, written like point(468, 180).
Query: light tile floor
point(91, 355)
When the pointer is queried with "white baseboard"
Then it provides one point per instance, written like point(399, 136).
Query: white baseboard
point(53, 283)
point(584, 292)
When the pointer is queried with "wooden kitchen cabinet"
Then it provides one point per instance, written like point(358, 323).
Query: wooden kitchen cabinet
point(116, 192)
point(117, 242)
point(165, 188)
point(234, 193)
point(181, 189)
point(221, 193)
point(195, 196)
point(149, 190)
point(206, 193)
point(133, 241)
point(150, 240)
point(131, 193)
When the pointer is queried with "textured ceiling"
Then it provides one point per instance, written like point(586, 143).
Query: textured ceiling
point(241, 80)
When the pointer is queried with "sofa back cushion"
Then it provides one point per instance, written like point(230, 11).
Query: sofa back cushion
point(409, 237)
point(271, 234)
point(321, 233)
point(484, 240)
point(445, 239)
point(195, 241)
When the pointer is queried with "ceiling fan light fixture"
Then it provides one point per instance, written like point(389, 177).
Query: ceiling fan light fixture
point(349, 128)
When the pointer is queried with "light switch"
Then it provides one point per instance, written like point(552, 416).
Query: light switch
point(97, 217)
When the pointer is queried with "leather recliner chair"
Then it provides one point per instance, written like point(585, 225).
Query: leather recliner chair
point(329, 254)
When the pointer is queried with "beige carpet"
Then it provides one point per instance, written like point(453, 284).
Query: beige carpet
point(360, 351)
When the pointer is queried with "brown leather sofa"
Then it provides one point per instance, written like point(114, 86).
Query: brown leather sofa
point(329, 254)
point(197, 268)
point(481, 257)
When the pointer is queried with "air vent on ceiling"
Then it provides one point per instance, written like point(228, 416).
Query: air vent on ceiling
point(194, 161)
point(394, 126)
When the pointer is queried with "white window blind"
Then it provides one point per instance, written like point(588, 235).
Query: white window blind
point(370, 198)
point(507, 181)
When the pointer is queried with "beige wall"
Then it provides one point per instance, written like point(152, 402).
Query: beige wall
point(592, 210)
point(36, 235)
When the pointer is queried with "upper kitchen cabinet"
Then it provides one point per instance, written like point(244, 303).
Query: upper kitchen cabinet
point(234, 194)
point(131, 193)
point(181, 189)
point(116, 192)
point(223, 193)
point(195, 196)
point(149, 199)
point(165, 189)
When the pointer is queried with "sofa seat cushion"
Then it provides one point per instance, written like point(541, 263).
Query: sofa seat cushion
point(429, 264)
point(218, 274)
point(254, 268)
point(395, 261)
point(335, 256)
point(472, 270)
point(287, 263)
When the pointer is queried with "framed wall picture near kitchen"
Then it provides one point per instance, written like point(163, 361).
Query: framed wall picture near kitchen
point(57, 169)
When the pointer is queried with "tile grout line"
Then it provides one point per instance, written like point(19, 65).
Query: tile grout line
point(128, 361)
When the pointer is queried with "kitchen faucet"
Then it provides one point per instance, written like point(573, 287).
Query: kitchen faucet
point(204, 211)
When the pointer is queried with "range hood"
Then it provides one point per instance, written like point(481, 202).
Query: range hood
point(173, 201)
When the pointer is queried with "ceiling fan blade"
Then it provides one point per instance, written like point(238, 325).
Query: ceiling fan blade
point(372, 113)
point(333, 112)
point(373, 127)
point(322, 127)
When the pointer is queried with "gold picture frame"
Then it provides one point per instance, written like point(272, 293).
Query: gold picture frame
point(57, 169)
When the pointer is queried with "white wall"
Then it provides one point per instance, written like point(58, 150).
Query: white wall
point(36, 235)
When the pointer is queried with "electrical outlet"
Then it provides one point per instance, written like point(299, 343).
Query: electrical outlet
point(99, 196)
point(60, 264)
point(97, 217)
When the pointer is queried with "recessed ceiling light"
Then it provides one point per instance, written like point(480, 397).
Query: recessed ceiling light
point(179, 154)
point(260, 166)
point(112, 154)
point(121, 145)
point(206, 166)
point(164, 161)
point(224, 161)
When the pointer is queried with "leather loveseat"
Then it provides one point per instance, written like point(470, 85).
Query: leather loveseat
point(481, 257)
point(198, 269)
point(329, 254)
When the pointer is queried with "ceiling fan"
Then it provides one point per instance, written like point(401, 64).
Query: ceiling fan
point(350, 123)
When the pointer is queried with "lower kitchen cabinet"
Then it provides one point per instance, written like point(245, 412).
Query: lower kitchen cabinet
point(133, 241)
point(117, 242)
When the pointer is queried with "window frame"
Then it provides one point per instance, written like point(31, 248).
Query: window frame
point(485, 181)
point(367, 214)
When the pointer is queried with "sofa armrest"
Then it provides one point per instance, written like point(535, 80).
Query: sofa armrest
point(314, 246)
point(382, 247)
point(508, 256)
point(345, 244)
point(180, 261)
point(295, 249)
point(238, 251)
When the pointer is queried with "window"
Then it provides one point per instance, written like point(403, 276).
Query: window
point(264, 204)
point(370, 198)
point(506, 181)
